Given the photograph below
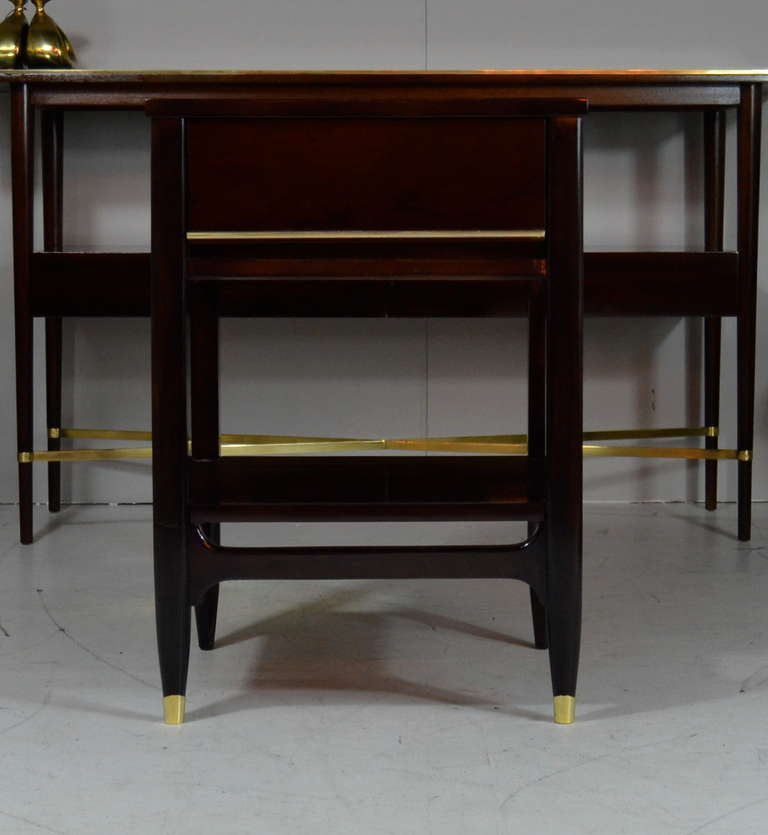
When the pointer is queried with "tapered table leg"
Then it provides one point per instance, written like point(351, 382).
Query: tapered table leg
point(564, 414)
point(173, 619)
point(204, 407)
point(714, 206)
point(748, 196)
point(537, 392)
point(22, 162)
point(206, 611)
point(169, 415)
point(52, 126)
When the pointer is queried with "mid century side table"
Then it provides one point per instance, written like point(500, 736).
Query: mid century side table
point(436, 200)
point(711, 283)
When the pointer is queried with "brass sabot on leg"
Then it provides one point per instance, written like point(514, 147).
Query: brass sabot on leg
point(173, 709)
point(565, 710)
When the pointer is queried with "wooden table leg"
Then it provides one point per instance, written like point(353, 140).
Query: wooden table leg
point(204, 408)
point(52, 125)
point(564, 414)
point(169, 415)
point(22, 153)
point(748, 196)
point(537, 394)
point(714, 206)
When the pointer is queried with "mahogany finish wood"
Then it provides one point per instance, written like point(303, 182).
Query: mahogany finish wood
point(709, 284)
point(455, 178)
point(211, 564)
point(169, 403)
point(537, 402)
point(563, 423)
point(359, 98)
point(384, 511)
point(374, 259)
point(629, 283)
point(518, 157)
point(567, 81)
point(72, 284)
point(679, 95)
point(52, 129)
point(714, 216)
point(204, 381)
point(661, 283)
point(22, 170)
point(749, 129)
point(367, 479)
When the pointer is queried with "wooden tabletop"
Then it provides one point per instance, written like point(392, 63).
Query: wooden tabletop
point(490, 77)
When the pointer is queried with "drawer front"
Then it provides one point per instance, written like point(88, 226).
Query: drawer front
point(372, 174)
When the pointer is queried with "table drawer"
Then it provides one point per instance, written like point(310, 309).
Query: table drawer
point(367, 174)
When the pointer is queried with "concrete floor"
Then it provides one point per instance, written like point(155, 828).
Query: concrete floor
point(417, 707)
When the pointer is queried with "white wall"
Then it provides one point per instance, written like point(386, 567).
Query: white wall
point(402, 377)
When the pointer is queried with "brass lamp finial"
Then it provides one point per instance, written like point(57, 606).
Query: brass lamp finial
point(13, 32)
point(47, 46)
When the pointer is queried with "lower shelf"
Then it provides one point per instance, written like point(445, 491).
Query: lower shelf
point(366, 488)
point(514, 511)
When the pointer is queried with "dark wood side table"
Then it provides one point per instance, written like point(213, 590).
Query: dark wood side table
point(434, 200)
point(712, 283)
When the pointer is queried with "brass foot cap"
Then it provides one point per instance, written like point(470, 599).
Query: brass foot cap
point(565, 710)
point(173, 709)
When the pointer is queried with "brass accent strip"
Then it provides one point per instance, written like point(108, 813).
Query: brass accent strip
point(601, 435)
point(449, 445)
point(627, 434)
point(234, 445)
point(662, 452)
point(173, 709)
point(501, 447)
point(298, 447)
point(280, 439)
point(370, 234)
point(598, 435)
point(85, 454)
point(565, 709)
point(137, 435)
point(107, 434)
point(484, 439)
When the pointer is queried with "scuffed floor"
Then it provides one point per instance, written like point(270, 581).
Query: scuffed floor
point(358, 708)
